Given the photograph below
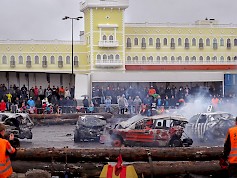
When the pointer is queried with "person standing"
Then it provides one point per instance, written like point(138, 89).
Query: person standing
point(5, 150)
point(229, 158)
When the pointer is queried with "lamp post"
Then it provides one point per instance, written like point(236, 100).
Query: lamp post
point(72, 18)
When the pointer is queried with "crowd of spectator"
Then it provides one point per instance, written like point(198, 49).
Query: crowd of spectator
point(37, 100)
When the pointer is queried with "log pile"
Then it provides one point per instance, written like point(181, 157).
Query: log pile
point(166, 162)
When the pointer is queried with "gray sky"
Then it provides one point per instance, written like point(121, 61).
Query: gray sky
point(41, 19)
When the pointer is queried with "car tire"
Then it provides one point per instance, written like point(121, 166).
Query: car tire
point(117, 142)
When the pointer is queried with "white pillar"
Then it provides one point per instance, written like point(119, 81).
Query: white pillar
point(82, 85)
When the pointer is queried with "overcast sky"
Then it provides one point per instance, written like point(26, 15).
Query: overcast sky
point(41, 19)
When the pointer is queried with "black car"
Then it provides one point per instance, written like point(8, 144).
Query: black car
point(89, 128)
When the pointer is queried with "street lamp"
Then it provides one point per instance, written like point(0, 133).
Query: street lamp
point(72, 18)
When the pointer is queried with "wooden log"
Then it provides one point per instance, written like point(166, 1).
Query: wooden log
point(142, 168)
point(128, 154)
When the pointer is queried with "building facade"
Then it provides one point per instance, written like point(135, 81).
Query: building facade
point(125, 53)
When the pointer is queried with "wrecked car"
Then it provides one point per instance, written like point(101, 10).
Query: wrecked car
point(210, 125)
point(158, 130)
point(20, 124)
point(89, 128)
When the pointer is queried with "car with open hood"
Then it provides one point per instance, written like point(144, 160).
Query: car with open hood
point(20, 124)
point(157, 130)
point(89, 128)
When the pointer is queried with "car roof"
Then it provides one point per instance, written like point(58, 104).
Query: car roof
point(213, 113)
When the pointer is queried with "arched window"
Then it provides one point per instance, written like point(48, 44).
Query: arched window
point(135, 59)
point(68, 60)
point(207, 42)
point(157, 42)
point(164, 59)
point(214, 59)
point(111, 57)
point(111, 38)
point(4, 59)
point(136, 41)
point(228, 43)
point(228, 58)
point(186, 43)
point(44, 58)
point(44, 61)
point(52, 60)
point(28, 58)
point(76, 61)
point(222, 58)
point(214, 40)
point(194, 58)
point(208, 59)
point(117, 58)
point(235, 42)
point(165, 41)
point(20, 60)
point(143, 58)
point(129, 44)
point(186, 40)
point(60, 61)
point(201, 58)
point(150, 41)
point(158, 58)
point(150, 58)
point(12, 58)
point(186, 59)
point(98, 57)
point(179, 42)
point(104, 38)
point(215, 43)
point(60, 58)
point(36, 59)
point(104, 57)
point(179, 58)
point(235, 58)
point(172, 59)
point(129, 58)
point(193, 42)
point(221, 42)
point(143, 43)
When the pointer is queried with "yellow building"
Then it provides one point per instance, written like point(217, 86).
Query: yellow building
point(127, 53)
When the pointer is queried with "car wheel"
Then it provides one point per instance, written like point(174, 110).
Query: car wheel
point(76, 137)
point(117, 142)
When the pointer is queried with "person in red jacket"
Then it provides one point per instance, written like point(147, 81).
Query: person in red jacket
point(2, 106)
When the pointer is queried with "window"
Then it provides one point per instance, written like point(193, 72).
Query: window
point(117, 58)
point(208, 58)
point(12, 58)
point(201, 43)
point(214, 59)
point(12, 61)
point(157, 42)
point(20, 60)
point(104, 38)
point(76, 61)
point(179, 42)
point(165, 41)
point(221, 58)
point(98, 57)
point(68, 60)
point(52, 60)
point(235, 42)
point(28, 58)
point(235, 58)
point(129, 58)
point(129, 44)
point(136, 41)
point(179, 58)
point(172, 44)
point(164, 58)
point(194, 58)
point(201, 58)
point(193, 42)
point(4, 59)
point(104, 57)
point(186, 43)
point(143, 43)
point(111, 57)
point(158, 58)
point(228, 43)
point(221, 42)
point(214, 43)
point(111, 38)
point(207, 42)
point(150, 41)
point(186, 59)
point(143, 58)
point(44, 61)
point(150, 59)
point(36, 59)
point(135, 58)
point(172, 59)
point(228, 58)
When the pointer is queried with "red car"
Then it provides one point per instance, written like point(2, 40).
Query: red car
point(158, 130)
